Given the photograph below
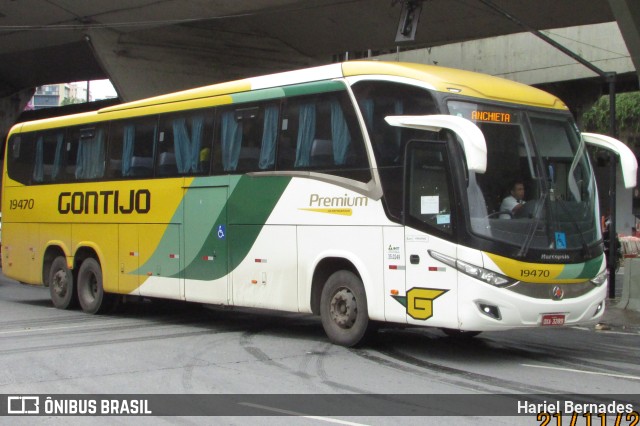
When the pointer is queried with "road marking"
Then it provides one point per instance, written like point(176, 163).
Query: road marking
point(571, 370)
point(35, 329)
point(293, 413)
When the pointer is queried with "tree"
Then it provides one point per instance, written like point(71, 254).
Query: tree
point(596, 119)
point(70, 101)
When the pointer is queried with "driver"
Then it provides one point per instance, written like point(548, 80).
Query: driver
point(514, 201)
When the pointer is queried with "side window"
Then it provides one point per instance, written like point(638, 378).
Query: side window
point(86, 150)
point(184, 143)
point(21, 156)
point(428, 190)
point(379, 99)
point(247, 137)
point(131, 147)
point(50, 157)
point(321, 133)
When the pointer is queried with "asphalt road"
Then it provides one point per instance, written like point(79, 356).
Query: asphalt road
point(186, 349)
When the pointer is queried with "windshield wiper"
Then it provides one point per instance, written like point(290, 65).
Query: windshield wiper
point(537, 217)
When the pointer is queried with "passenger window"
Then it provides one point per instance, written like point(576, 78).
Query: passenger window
point(321, 133)
point(21, 156)
point(86, 152)
point(50, 157)
point(379, 99)
point(184, 143)
point(248, 137)
point(132, 147)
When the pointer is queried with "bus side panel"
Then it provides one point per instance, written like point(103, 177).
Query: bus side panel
point(394, 273)
point(128, 256)
point(55, 234)
point(360, 245)
point(432, 286)
point(161, 262)
point(19, 256)
point(267, 276)
point(104, 242)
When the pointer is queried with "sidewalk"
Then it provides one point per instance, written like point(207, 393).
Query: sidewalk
point(616, 318)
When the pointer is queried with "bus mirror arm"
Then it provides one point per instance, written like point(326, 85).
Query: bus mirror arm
point(473, 142)
point(628, 162)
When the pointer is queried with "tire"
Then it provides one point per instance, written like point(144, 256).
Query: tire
point(343, 309)
point(61, 285)
point(91, 295)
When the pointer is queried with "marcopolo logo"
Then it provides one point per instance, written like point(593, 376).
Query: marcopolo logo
point(105, 202)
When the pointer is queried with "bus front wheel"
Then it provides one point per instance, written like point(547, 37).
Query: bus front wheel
point(343, 309)
point(61, 284)
point(91, 295)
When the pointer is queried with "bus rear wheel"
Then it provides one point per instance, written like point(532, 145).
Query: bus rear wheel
point(343, 309)
point(61, 285)
point(91, 295)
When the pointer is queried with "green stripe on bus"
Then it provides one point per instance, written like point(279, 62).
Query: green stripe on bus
point(585, 270)
point(286, 91)
point(315, 87)
point(258, 95)
point(250, 203)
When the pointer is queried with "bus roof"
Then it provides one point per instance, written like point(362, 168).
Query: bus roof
point(442, 79)
point(462, 82)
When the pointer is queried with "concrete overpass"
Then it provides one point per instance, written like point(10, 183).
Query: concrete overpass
point(148, 47)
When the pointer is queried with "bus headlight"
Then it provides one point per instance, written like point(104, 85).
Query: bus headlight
point(490, 277)
point(599, 279)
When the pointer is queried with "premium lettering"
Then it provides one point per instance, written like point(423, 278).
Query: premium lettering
point(316, 200)
point(105, 202)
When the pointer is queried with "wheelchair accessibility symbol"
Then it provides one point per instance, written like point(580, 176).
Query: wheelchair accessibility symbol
point(221, 232)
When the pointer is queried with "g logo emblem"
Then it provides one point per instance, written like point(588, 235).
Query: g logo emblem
point(419, 302)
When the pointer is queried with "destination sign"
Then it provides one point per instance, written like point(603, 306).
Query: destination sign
point(492, 116)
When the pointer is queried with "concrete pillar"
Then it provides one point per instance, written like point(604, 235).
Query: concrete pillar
point(627, 13)
point(140, 68)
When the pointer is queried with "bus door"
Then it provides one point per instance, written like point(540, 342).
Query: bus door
point(431, 285)
point(205, 244)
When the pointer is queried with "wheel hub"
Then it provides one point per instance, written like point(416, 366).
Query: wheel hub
point(344, 309)
point(60, 283)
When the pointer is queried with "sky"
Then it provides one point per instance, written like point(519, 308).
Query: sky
point(102, 89)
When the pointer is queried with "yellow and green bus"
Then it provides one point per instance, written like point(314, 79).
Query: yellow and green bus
point(363, 192)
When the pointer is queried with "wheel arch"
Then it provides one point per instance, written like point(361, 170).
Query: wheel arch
point(83, 252)
point(53, 249)
point(323, 270)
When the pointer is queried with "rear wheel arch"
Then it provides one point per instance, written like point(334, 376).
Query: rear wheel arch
point(50, 254)
point(324, 269)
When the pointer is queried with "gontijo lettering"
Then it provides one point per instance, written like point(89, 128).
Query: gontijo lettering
point(106, 202)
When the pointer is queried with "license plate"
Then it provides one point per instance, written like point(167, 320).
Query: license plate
point(553, 319)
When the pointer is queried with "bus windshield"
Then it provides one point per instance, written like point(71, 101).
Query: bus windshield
point(538, 191)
